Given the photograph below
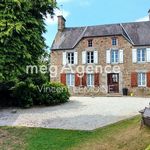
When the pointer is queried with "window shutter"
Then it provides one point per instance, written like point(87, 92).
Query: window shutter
point(84, 80)
point(148, 79)
point(77, 80)
point(96, 57)
point(134, 79)
point(75, 58)
point(134, 55)
point(148, 54)
point(108, 56)
point(64, 58)
point(96, 79)
point(84, 57)
point(63, 78)
point(120, 56)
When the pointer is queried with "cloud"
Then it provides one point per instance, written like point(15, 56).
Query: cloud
point(146, 18)
point(53, 21)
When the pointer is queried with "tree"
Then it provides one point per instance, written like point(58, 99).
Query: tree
point(21, 35)
point(21, 43)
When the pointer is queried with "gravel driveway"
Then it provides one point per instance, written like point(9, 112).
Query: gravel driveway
point(83, 113)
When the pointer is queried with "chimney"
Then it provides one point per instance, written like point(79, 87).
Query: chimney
point(61, 23)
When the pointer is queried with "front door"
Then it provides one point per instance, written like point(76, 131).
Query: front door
point(113, 82)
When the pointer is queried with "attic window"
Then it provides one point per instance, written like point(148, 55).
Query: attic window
point(90, 43)
point(114, 41)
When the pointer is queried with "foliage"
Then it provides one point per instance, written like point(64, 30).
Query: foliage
point(23, 94)
point(21, 34)
point(22, 43)
point(55, 93)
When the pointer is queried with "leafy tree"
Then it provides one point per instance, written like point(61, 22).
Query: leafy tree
point(21, 43)
point(21, 35)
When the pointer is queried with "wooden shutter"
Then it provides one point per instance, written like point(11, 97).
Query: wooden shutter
point(148, 79)
point(108, 56)
point(96, 57)
point(120, 56)
point(148, 54)
point(84, 57)
point(134, 79)
point(64, 58)
point(63, 78)
point(77, 80)
point(84, 80)
point(75, 58)
point(96, 79)
point(134, 55)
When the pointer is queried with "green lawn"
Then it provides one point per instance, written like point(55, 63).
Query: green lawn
point(124, 135)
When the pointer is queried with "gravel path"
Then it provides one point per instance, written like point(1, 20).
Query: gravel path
point(83, 113)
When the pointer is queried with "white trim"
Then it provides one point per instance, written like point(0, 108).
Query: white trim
point(71, 79)
point(141, 79)
point(90, 78)
point(134, 55)
point(148, 54)
point(64, 58)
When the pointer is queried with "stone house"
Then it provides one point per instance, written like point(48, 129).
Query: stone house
point(103, 49)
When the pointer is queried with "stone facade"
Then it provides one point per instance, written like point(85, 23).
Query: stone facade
point(101, 44)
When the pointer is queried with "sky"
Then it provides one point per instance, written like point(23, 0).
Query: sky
point(96, 12)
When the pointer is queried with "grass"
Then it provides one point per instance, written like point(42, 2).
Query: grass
point(124, 135)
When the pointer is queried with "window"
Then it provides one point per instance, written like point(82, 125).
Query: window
point(90, 43)
point(114, 41)
point(90, 80)
point(114, 56)
point(141, 55)
point(70, 58)
point(70, 79)
point(90, 57)
point(141, 79)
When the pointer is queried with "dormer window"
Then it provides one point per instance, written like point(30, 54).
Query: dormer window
point(90, 43)
point(114, 41)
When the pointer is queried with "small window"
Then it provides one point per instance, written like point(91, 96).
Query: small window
point(70, 58)
point(70, 79)
point(142, 79)
point(141, 55)
point(90, 80)
point(114, 56)
point(114, 41)
point(90, 43)
point(90, 57)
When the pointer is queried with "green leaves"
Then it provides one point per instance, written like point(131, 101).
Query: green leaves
point(21, 35)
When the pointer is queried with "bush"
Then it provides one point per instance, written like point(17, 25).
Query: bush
point(24, 93)
point(55, 93)
point(6, 94)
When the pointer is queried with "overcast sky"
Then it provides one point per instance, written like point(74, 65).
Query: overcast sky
point(97, 12)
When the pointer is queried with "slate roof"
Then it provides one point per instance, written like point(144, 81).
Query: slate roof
point(137, 33)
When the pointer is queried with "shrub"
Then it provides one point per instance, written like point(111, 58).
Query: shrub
point(6, 93)
point(55, 93)
point(24, 93)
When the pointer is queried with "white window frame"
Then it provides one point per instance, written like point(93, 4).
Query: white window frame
point(113, 54)
point(90, 76)
point(71, 79)
point(90, 60)
point(90, 43)
point(114, 40)
point(142, 83)
point(69, 54)
point(140, 51)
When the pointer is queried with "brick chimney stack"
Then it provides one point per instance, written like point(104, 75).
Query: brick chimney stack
point(61, 23)
point(149, 14)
